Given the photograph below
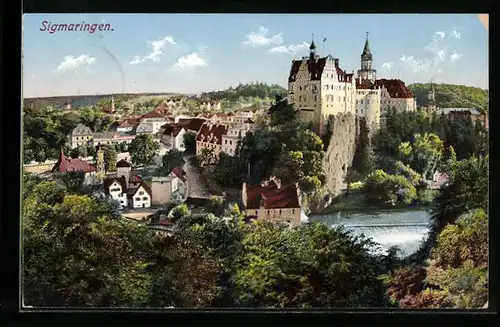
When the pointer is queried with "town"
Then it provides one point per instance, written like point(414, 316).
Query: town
point(223, 197)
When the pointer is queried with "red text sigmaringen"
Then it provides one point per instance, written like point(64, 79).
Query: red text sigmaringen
point(80, 27)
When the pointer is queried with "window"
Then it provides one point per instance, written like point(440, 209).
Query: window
point(230, 142)
point(141, 192)
point(256, 212)
point(115, 190)
point(280, 211)
point(144, 198)
point(161, 183)
point(293, 210)
point(361, 101)
point(137, 199)
point(300, 88)
point(315, 98)
point(225, 141)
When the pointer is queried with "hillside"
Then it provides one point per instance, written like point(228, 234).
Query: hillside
point(451, 96)
point(257, 90)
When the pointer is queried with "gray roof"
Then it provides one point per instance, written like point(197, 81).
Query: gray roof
point(81, 129)
point(144, 128)
point(447, 111)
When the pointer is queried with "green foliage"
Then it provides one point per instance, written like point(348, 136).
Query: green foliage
point(423, 154)
point(206, 157)
point(73, 180)
point(173, 158)
point(381, 188)
point(404, 170)
point(228, 171)
point(30, 181)
point(258, 90)
point(110, 157)
point(143, 149)
point(364, 158)
point(189, 139)
point(179, 211)
point(451, 96)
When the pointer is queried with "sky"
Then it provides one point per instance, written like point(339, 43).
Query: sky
point(197, 53)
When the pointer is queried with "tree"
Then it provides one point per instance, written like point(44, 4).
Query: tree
point(282, 113)
point(73, 180)
point(189, 139)
point(290, 168)
point(364, 158)
point(179, 211)
point(143, 149)
point(173, 158)
point(206, 157)
point(385, 189)
point(424, 154)
point(351, 176)
point(110, 157)
point(75, 153)
point(228, 171)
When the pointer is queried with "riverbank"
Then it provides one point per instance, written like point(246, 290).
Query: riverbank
point(354, 201)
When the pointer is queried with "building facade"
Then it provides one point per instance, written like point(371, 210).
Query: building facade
point(81, 136)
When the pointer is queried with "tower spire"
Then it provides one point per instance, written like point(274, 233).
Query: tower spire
point(313, 46)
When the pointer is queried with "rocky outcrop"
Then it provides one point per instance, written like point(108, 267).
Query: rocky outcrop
point(340, 152)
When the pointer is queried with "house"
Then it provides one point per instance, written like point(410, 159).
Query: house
point(108, 138)
point(155, 119)
point(135, 181)
point(116, 188)
point(210, 137)
point(172, 187)
point(173, 136)
point(144, 128)
point(127, 126)
point(272, 202)
point(468, 113)
point(65, 164)
point(140, 196)
point(81, 136)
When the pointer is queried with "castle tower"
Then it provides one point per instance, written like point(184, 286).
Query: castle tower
point(123, 168)
point(312, 50)
point(366, 71)
point(101, 168)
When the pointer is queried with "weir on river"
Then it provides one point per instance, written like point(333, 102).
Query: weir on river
point(405, 229)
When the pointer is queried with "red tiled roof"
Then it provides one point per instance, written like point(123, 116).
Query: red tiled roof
point(172, 129)
point(211, 133)
point(110, 180)
point(395, 87)
point(135, 179)
point(193, 124)
point(273, 197)
point(65, 164)
point(180, 173)
point(152, 114)
point(123, 163)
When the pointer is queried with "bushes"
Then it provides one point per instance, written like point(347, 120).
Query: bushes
point(383, 189)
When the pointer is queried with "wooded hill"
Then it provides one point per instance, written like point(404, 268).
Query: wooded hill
point(451, 96)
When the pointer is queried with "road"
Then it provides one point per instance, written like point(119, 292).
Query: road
point(196, 185)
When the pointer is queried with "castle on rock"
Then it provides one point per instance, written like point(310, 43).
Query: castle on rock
point(318, 88)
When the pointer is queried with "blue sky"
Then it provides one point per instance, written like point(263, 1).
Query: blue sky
point(195, 53)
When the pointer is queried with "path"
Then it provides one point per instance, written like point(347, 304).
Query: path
point(196, 184)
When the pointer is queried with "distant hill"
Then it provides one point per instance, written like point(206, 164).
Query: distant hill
point(451, 96)
point(77, 101)
point(252, 90)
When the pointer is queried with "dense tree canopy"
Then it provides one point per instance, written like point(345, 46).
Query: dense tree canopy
point(451, 96)
point(143, 149)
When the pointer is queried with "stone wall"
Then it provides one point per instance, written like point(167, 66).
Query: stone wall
point(340, 152)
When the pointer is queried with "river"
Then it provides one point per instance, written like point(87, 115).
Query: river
point(405, 229)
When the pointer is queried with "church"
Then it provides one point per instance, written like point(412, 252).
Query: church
point(319, 87)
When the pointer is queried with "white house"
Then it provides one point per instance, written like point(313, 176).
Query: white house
point(173, 136)
point(140, 197)
point(155, 119)
point(81, 136)
point(116, 188)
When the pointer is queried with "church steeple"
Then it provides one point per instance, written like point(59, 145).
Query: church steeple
point(312, 49)
point(366, 71)
point(367, 54)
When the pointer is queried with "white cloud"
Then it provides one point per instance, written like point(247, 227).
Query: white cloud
point(292, 48)
point(75, 64)
point(440, 34)
point(388, 65)
point(454, 57)
point(261, 38)
point(190, 61)
point(456, 34)
point(157, 50)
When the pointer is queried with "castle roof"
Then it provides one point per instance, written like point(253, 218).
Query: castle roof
point(316, 67)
